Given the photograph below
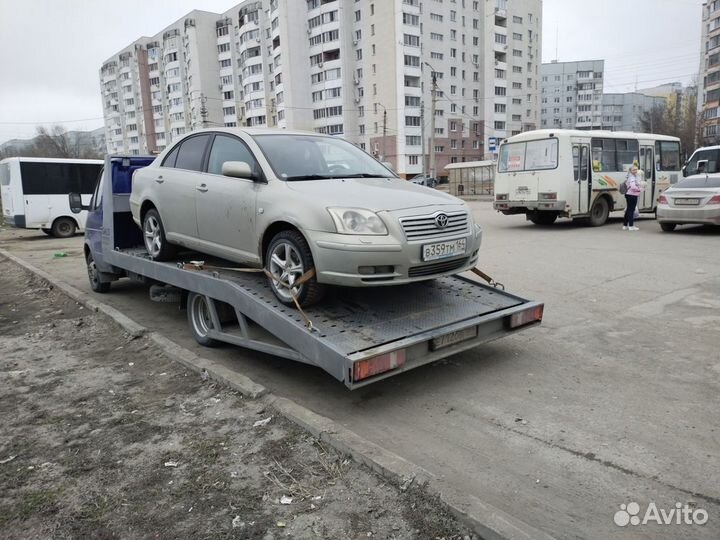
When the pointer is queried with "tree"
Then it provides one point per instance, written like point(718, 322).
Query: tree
point(678, 117)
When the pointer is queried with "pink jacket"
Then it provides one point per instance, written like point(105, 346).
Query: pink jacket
point(633, 185)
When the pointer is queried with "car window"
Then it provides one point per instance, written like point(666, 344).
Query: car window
point(191, 154)
point(97, 195)
point(169, 160)
point(711, 156)
point(226, 148)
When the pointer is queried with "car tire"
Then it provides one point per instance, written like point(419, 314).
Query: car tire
point(599, 212)
point(288, 257)
point(63, 227)
point(199, 319)
point(543, 218)
point(94, 276)
point(156, 244)
point(668, 227)
point(47, 231)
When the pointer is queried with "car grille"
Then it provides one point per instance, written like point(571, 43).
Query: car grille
point(436, 268)
point(425, 227)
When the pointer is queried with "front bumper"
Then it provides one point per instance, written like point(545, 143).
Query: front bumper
point(523, 207)
point(709, 215)
point(338, 258)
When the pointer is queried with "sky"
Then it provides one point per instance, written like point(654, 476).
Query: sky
point(51, 50)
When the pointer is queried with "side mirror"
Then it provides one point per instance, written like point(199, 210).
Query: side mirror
point(238, 169)
point(76, 205)
point(684, 170)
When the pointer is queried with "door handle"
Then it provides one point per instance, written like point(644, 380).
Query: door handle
point(159, 179)
point(202, 187)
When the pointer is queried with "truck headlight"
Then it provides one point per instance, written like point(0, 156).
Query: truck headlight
point(357, 221)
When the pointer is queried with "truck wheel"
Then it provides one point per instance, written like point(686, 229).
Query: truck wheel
point(543, 218)
point(94, 276)
point(154, 235)
point(668, 227)
point(199, 319)
point(288, 257)
point(599, 212)
point(63, 227)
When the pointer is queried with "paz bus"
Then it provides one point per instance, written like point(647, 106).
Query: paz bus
point(35, 192)
point(551, 173)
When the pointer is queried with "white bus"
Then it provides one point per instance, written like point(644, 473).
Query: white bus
point(551, 173)
point(35, 192)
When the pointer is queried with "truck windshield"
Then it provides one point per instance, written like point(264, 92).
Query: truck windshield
point(528, 156)
point(313, 157)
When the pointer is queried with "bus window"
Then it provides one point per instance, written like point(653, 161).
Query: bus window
point(576, 161)
point(530, 156)
point(627, 153)
point(668, 156)
point(603, 151)
point(584, 162)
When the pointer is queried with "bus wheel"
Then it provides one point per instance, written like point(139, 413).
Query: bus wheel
point(599, 212)
point(63, 227)
point(543, 218)
point(47, 231)
point(200, 320)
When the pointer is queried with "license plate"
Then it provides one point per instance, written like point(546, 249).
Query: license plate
point(441, 250)
point(687, 202)
point(453, 337)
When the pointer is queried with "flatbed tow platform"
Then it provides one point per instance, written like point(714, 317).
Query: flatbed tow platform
point(357, 335)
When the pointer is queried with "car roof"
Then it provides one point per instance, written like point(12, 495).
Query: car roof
point(256, 131)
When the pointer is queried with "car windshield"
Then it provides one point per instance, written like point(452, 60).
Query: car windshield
point(311, 157)
point(699, 182)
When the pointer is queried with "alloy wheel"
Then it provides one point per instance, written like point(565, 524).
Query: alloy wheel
point(286, 268)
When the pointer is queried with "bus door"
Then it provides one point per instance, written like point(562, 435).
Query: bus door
point(647, 164)
point(582, 177)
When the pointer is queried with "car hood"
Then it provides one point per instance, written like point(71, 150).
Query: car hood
point(376, 194)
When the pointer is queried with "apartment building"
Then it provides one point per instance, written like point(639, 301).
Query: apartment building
point(572, 94)
point(624, 111)
point(360, 69)
point(708, 97)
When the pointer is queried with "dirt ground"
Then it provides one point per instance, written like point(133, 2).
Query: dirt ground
point(104, 437)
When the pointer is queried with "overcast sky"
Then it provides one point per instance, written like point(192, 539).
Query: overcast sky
point(51, 50)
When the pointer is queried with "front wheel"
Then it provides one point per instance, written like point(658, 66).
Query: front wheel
point(599, 212)
point(154, 235)
point(94, 276)
point(668, 227)
point(288, 257)
point(543, 218)
point(63, 227)
point(200, 319)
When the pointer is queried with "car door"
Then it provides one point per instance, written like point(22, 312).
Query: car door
point(647, 165)
point(175, 181)
point(225, 206)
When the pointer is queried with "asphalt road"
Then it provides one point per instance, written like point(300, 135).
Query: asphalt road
point(614, 399)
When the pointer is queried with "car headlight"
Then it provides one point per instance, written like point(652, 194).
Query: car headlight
point(357, 221)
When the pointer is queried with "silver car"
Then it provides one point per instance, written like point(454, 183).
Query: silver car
point(295, 201)
point(693, 200)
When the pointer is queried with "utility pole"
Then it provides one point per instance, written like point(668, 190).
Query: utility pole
point(203, 110)
point(384, 147)
point(432, 124)
point(422, 136)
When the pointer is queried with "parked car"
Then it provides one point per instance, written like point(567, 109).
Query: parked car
point(424, 180)
point(695, 199)
point(295, 201)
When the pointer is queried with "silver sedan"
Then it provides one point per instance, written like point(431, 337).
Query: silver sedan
point(292, 202)
point(693, 200)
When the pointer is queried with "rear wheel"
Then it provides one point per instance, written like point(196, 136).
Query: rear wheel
point(47, 231)
point(543, 218)
point(599, 212)
point(154, 235)
point(63, 227)
point(668, 227)
point(288, 257)
point(200, 320)
point(94, 276)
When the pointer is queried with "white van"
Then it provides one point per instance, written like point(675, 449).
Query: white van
point(703, 160)
point(35, 192)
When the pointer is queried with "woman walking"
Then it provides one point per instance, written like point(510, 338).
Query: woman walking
point(633, 185)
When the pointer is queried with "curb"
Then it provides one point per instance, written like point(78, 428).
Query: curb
point(490, 522)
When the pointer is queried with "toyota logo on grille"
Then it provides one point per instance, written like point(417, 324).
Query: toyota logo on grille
point(441, 220)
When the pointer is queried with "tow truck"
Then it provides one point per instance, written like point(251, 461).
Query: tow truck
point(357, 335)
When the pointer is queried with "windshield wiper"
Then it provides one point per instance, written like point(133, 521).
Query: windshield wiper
point(311, 177)
point(365, 175)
